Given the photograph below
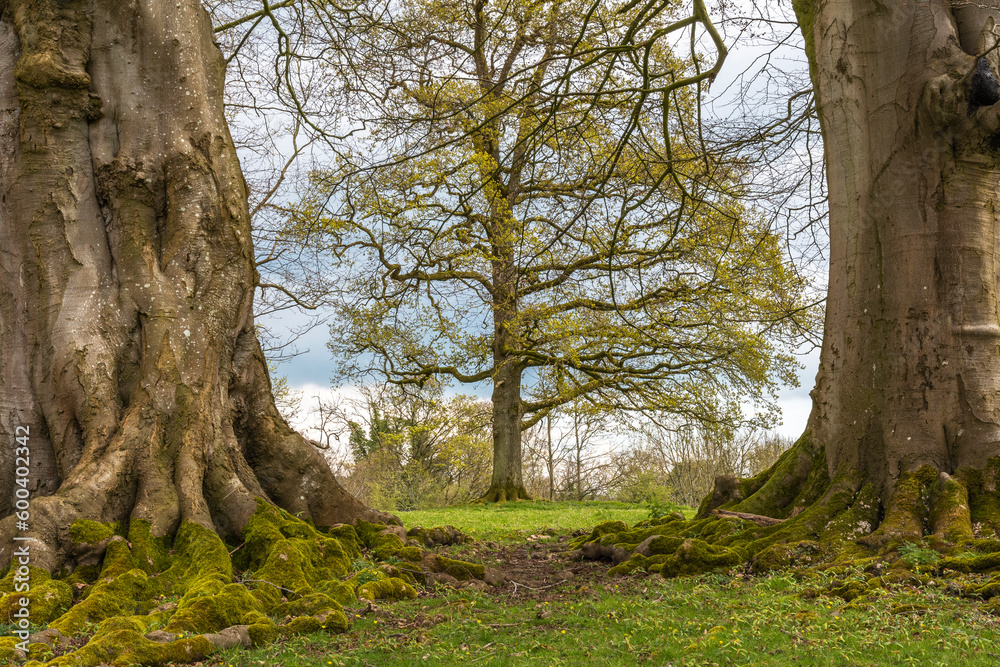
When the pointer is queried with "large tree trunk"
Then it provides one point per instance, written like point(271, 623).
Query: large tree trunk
point(903, 442)
point(127, 342)
point(905, 426)
point(910, 368)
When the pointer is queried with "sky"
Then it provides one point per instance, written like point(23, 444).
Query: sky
point(310, 373)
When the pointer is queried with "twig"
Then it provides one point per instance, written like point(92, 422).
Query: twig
point(261, 581)
point(530, 588)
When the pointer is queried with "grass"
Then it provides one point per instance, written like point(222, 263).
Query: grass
point(718, 620)
point(515, 521)
point(594, 619)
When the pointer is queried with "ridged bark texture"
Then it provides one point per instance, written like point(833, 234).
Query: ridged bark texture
point(127, 343)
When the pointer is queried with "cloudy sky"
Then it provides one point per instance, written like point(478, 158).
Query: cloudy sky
point(310, 373)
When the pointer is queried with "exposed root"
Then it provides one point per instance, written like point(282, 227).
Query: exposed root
point(503, 494)
point(795, 516)
point(758, 519)
point(152, 600)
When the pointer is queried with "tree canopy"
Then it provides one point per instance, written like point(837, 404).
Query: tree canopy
point(512, 210)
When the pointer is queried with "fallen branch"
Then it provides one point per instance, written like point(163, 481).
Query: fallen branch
point(758, 519)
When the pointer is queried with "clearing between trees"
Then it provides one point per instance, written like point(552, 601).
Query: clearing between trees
point(555, 608)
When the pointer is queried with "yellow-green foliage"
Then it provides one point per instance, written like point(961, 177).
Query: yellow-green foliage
point(390, 588)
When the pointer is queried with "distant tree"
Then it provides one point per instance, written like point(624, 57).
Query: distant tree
point(414, 448)
point(508, 211)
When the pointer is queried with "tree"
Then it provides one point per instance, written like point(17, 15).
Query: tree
point(906, 396)
point(129, 360)
point(413, 449)
point(902, 442)
point(143, 454)
point(511, 210)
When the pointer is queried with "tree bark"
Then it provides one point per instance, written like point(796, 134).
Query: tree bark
point(507, 482)
point(909, 371)
point(127, 342)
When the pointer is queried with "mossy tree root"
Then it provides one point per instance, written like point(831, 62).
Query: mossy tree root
point(825, 522)
point(155, 600)
point(504, 493)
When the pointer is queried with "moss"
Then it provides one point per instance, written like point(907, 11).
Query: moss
point(347, 536)
point(368, 533)
point(149, 553)
point(459, 569)
point(664, 545)
point(117, 558)
point(127, 594)
point(438, 536)
point(984, 546)
point(334, 621)
point(986, 591)
point(210, 605)
point(413, 554)
point(637, 562)
point(389, 546)
point(907, 510)
point(909, 608)
point(9, 655)
point(697, 557)
point(309, 605)
point(303, 562)
point(287, 556)
point(47, 598)
point(798, 479)
point(128, 647)
point(85, 575)
point(950, 518)
point(262, 634)
point(783, 556)
point(383, 545)
point(400, 573)
point(341, 591)
point(302, 625)
point(254, 617)
point(849, 591)
point(84, 531)
point(599, 531)
point(390, 588)
point(983, 563)
point(984, 497)
point(40, 652)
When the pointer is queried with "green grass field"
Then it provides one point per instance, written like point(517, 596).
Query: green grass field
point(594, 619)
point(515, 521)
